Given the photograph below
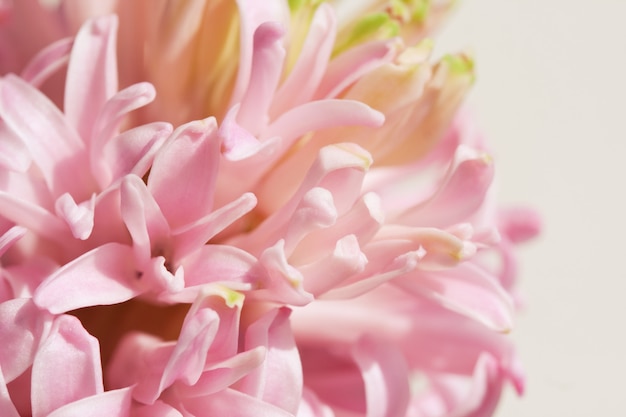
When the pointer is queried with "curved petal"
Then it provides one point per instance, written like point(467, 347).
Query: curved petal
point(467, 289)
point(23, 328)
point(107, 126)
point(187, 358)
point(222, 264)
point(230, 402)
point(311, 406)
point(385, 374)
point(131, 152)
point(7, 408)
point(278, 380)
point(14, 154)
point(322, 114)
point(310, 67)
point(460, 195)
point(54, 383)
point(33, 217)
point(221, 375)
point(158, 409)
point(92, 73)
point(143, 219)
point(107, 404)
point(48, 61)
point(54, 146)
point(195, 235)
point(11, 236)
point(339, 168)
point(267, 63)
point(280, 282)
point(182, 177)
point(351, 65)
point(105, 275)
point(253, 14)
point(328, 272)
point(79, 217)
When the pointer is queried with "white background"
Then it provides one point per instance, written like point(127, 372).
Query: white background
point(551, 93)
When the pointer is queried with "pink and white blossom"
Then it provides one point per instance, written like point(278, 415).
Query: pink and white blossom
point(244, 208)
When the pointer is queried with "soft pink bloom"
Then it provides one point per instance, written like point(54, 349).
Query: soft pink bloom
point(312, 231)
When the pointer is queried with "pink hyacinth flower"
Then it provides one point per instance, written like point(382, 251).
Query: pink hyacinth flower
point(261, 208)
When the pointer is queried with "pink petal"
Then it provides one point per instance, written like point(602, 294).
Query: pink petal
point(228, 305)
point(386, 261)
point(279, 380)
point(325, 274)
point(107, 126)
point(253, 14)
point(187, 163)
point(221, 375)
point(443, 249)
point(467, 289)
point(339, 168)
point(124, 368)
point(33, 217)
point(311, 406)
point(108, 223)
point(23, 327)
point(161, 278)
point(9, 237)
point(105, 275)
point(462, 193)
point(233, 403)
point(24, 278)
point(267, 62)
point(210, 330)
point(79, 217)
point(158, 409)
point(335, 378)
point(519, 224)
point(7, 409)
point(54, 146)
point(14, 155)
point(316, 210)
point(116, 108)
point(344, 322)
point(223, 264)
point(312, 61)
point(47, 62)
point(451, 343)
point(477, 397)
point(362, 221)
point(54, 383)
point(114, 403)
point(195, 235)
point(187, 358)
point(385, 374)
point(351, 65)
point(92, 73)
point(132, 152)
point(322, 114)
point(280, 282)
point(143, 219)
point(238, 143)
point(190, 353)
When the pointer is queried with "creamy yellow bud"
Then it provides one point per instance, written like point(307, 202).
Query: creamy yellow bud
point(432, 114)
point(413, 20)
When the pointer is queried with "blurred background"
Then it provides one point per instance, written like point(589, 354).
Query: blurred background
point(551, 94)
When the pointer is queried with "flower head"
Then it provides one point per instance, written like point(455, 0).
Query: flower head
point(283, 211)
